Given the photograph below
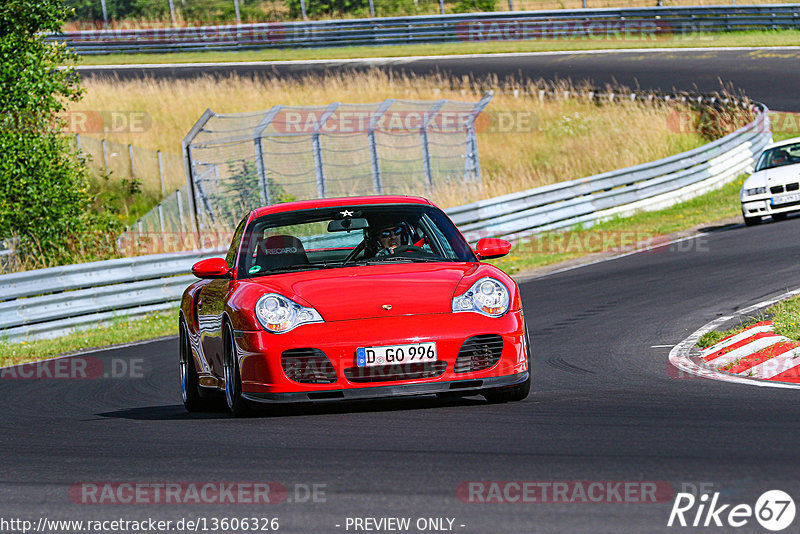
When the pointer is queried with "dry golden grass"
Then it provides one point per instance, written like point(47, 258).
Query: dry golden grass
point(552, 139)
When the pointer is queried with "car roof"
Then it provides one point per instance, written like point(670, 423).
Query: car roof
point(339, 201)
point(791, 141)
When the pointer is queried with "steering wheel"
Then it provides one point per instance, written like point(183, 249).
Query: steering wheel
point(355, 252)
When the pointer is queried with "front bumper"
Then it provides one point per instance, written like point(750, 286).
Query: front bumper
point(466, 387)
point(264, 378)
point(764, 206)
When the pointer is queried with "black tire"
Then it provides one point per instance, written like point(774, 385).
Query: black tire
point(237, 404)
point(751, 221)
point(513, 393)
point(193, 400)
point(779, 216)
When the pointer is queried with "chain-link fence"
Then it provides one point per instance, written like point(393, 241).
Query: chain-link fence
point(153, 171)
point(239, 161)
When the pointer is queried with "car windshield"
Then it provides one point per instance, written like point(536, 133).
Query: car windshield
point(343, 236)
point(779, 156)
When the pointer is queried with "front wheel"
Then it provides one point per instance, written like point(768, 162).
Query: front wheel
point(751, 221)
point(513, 393)
point(190, 384)
point(233, 380)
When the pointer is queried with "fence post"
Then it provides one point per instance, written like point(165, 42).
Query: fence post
point(187, 166)
point(423, 140)
point(161, 224)
point(472, 166)
point(263, 182)
point(130, 158)
point(105, 154)
point(180, 210)
point(317, 147)
point(375, 163)
point(161, 175)
point(303, 9)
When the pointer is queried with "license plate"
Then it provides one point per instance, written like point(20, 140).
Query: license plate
point(785, 199)
point(395, 354)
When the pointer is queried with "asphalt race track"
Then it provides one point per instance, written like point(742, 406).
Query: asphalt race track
point(606, 406)
point(770, 75)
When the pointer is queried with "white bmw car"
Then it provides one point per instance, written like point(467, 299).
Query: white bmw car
point(774, 188)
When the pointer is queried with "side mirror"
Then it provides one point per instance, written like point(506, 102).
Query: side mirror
point(490, 247)
point(211, 268)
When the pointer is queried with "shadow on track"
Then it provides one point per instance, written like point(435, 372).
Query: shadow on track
point(177, 411)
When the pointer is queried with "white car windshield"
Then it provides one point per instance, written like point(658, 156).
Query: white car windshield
point(779, 156)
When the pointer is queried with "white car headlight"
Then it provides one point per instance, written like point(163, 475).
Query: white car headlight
point(278, 314)
point(755, 191)
point(486, 296)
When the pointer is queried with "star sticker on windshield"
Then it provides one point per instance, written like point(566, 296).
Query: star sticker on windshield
point(346, 213)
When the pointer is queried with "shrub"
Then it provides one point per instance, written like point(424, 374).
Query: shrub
point(44, 199)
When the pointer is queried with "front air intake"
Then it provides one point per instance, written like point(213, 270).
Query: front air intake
point(479, 353)
point(308, 366)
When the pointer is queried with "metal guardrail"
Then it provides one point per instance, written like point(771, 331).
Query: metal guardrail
point(50, 302)
point(651, 185)
point(629, 23)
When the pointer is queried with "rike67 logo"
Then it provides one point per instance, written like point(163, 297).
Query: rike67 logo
point(774, 510)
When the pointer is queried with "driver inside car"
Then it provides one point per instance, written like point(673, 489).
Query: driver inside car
point(389, 238)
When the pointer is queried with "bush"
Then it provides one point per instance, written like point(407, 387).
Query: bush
point(471, 6)
point(44, 199)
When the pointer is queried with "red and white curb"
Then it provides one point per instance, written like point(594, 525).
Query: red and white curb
point(755, 356)
point(756, 352)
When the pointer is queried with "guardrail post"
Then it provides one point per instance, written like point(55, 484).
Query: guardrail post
point(317, 148)
point(261, 169)
point(423, 141)
point(377, 184)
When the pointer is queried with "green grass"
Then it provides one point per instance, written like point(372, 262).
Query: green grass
point(786, 318)
point(121, 330)
point(623, 233)
point(715, 336)
point(743, 39)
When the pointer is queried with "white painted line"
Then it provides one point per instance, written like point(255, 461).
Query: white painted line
point(661, 346)
point(679, 356)
point(737, 338)
point(410, 59)
point(774, 366)
point(746, 350)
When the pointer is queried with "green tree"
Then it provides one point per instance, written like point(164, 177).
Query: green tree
point(44, 198)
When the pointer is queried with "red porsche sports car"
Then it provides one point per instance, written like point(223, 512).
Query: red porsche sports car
point(351, 298)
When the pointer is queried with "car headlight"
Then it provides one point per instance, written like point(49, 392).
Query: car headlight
point(278, 314)
point(755, 191)
point(486, 296)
